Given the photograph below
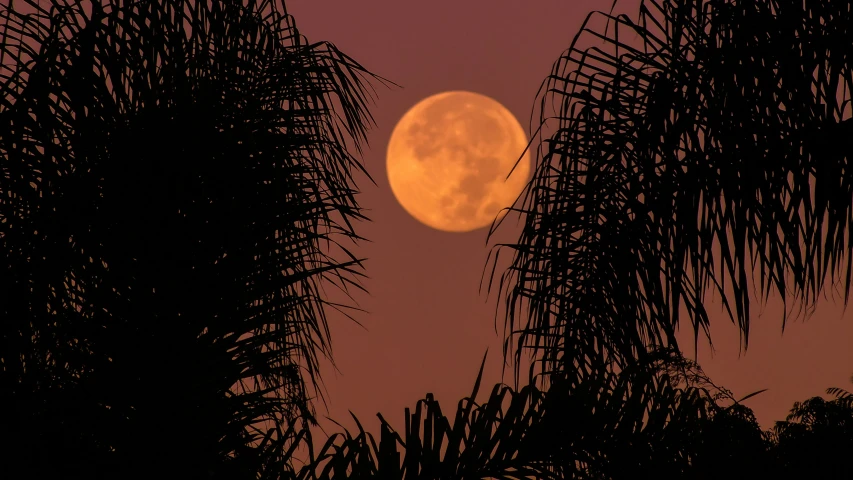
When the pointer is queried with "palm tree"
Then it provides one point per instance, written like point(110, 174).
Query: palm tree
point(176, 189)
point(703, 140)
point(692, 144)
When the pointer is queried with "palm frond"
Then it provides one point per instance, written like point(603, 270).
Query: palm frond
point(842, 396)
point(695, 145)
point(663, 418)
point(176, 188)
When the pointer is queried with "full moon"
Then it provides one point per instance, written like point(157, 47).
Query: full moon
point(449, 157)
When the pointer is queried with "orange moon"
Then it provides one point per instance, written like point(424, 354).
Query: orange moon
point(449, 157)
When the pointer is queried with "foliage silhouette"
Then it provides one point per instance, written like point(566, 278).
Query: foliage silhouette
point(698, 143)
point(596, 434)
point(597, 318)
point(661, 419)
point(843, 396)
point(177, 189)
point(815, 440)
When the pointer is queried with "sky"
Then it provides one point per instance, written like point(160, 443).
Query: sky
point(427, 324)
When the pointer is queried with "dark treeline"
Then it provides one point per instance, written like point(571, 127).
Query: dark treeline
point(176, 190)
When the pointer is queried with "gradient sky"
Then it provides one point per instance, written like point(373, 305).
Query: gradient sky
point(428, 327)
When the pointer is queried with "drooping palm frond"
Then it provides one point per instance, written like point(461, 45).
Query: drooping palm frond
point(661, 419)
point(842, 395)
point(176, 188)
point(701, 141)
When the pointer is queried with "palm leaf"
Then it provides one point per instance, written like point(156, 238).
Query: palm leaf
point(663, 418)
point(842, 396)
point(691, 146)
point(176, 189)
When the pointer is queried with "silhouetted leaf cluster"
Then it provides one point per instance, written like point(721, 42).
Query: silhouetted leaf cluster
point(175, 191)
point(176, 188)
point(694, 145)
point(816, 439)
point(662, 419)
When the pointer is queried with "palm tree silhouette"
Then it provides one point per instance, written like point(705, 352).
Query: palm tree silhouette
point(693, 144)
point(176, 190)
point(176, 183)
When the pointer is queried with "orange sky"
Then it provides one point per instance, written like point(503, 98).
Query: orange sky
point(427, 326)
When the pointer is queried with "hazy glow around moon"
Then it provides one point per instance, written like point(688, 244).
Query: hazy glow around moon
point(448, 159)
